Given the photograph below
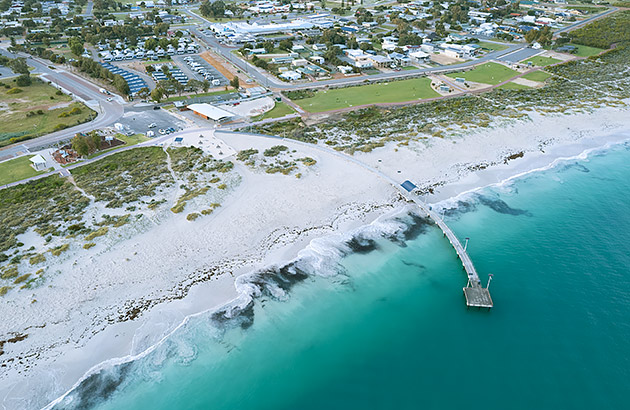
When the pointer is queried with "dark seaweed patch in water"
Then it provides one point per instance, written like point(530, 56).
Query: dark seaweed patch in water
point(97, 388)
point(460, 208)
point(232, 316)
point(501, 206)
point(578, 167)
point(284, 278)
point(414, 264)
point(414, 225)
point(418, 226)
point(362, 245)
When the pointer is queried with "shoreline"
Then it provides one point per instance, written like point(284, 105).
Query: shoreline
point(211, 295)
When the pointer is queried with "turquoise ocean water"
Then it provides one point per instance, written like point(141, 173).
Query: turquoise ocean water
point(391, 330)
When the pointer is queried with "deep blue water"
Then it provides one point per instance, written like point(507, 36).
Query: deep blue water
point(391, 331)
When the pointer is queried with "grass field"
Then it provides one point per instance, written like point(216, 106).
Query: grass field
point(542, 61)
point(280, 110)
point(17, 169)
point(513, 86)
point(396, 91)
point(488, 73)
point(586, 51)
point(185, 97)
point(42, 105)
point(129, 140)
point(492, 46)
point(537, 76)
point(409, 67)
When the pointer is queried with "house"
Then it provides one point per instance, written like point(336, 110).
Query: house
point(319, 47)
point(400, 59)
point(210, 112)
point(317, 59)
point(300, 62)
point(380, 61)
point(291, 75)
point(38, 162)
point(419, 56)
point(345, 69)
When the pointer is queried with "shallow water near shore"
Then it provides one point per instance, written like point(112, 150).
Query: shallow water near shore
point(391, 329)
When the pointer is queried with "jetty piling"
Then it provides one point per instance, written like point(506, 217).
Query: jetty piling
point(476, 295)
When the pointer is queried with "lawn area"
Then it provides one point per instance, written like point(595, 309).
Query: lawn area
point(185, 97)
point(35, 111)
point(513, 86)
point(396, 91)
point(586, 51)
point(280, 110)
point(492, 46)
point(542, 61)
point(409, 67)
point(17, 169)
point(488, 73)
point(129, 140)
point(537, 76)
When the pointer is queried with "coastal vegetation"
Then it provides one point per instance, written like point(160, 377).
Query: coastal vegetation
point(277, 159)
point(63, 214)
point(125, 177)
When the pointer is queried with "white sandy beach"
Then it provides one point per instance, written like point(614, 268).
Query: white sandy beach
point(267, 219)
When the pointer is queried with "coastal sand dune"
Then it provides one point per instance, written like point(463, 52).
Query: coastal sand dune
point(119, 302)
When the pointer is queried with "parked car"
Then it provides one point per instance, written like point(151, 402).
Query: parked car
point(152, 125)
point(156, 107)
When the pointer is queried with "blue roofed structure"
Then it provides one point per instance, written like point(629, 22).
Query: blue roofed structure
point(408, 185)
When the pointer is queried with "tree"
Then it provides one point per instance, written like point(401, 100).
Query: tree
point(214, 9)
point(81, 144)
point(235, 83)
point(268, 46)
point(157, 94)
point(205, 85)
point(121, 84)
point(194, 85)
point(144, 93)
point(76, 45)
point(23, 80)
point(286, 44)
point(19, 66)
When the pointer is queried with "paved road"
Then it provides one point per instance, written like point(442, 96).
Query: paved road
point(88, 9)
point(269, 81)
point(585, 21)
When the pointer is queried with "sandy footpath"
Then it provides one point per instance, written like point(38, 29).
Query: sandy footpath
point(178, 268)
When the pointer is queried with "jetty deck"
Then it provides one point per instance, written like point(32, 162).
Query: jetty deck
point(476, 295)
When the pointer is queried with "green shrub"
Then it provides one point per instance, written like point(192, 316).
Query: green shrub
point(14, 90)
point(192, 217)
point(89, 245)
point(39, 258)
point(275, 150)
point(58, 250)
point(9, 272)
point(4, 290)
point(99, 232)
point(22, 278)
point(245, 154)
